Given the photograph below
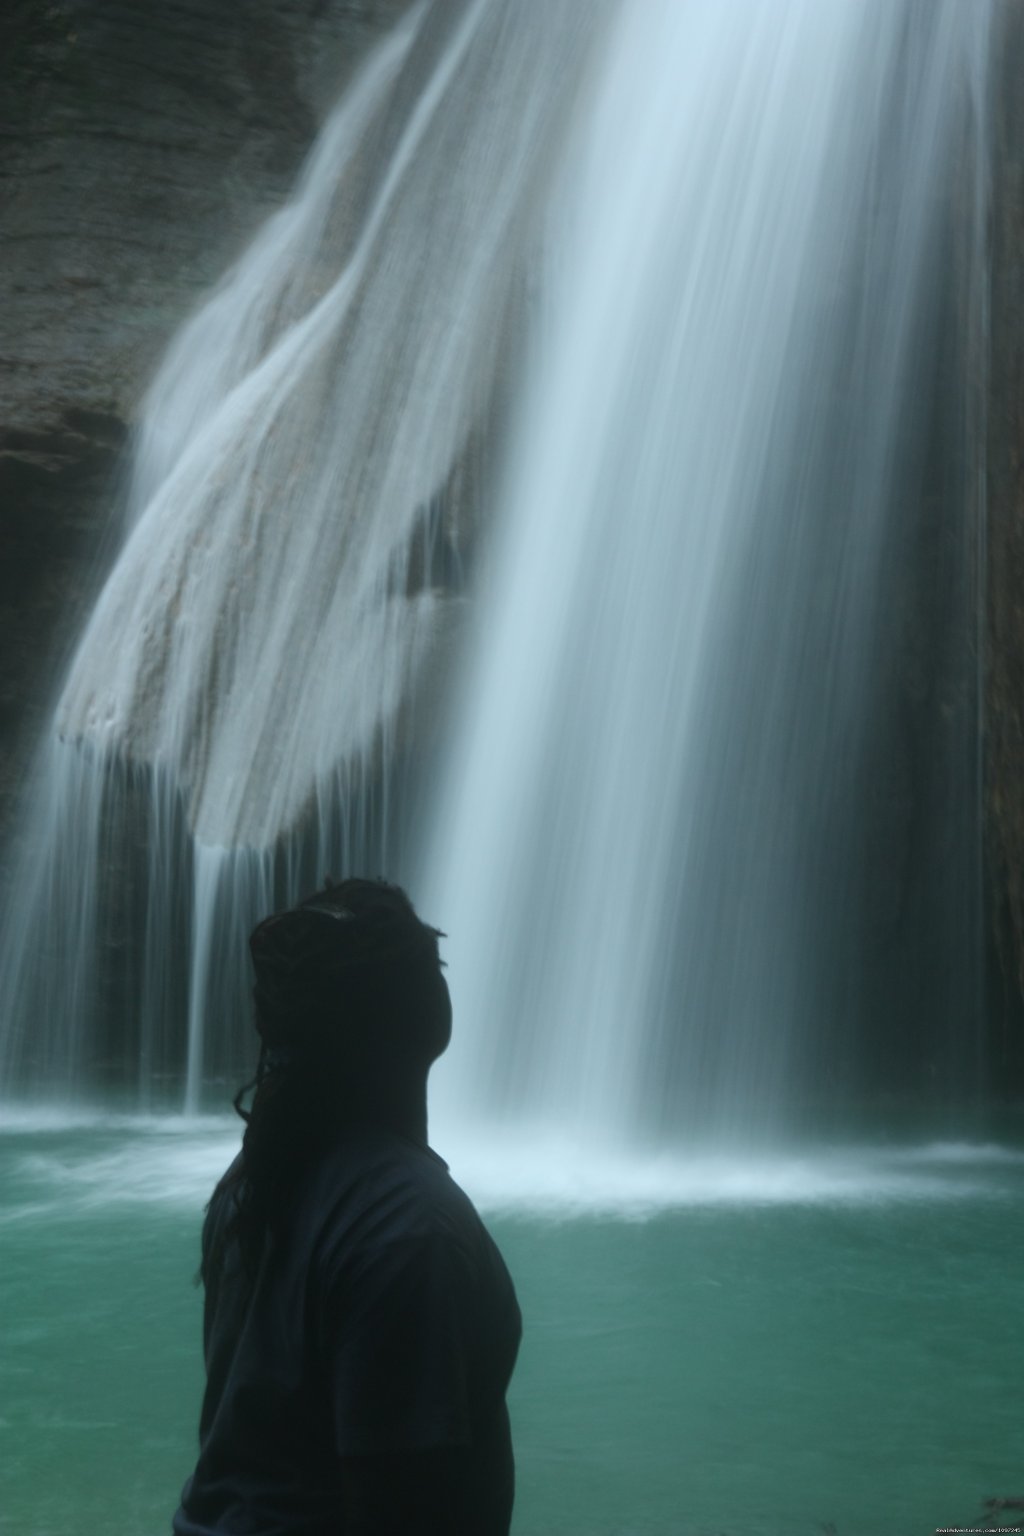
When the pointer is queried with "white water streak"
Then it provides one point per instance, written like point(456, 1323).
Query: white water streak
point(661, 716)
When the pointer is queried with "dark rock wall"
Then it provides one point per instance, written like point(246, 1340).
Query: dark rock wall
point(1004, 670)
point(142, 142)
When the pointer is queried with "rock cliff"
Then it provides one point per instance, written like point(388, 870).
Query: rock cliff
point(1004, 565)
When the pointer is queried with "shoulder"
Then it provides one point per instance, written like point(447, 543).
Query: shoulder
point(383, 1191)
point(398, 1245)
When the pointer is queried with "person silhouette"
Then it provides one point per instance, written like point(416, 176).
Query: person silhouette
point(360, 1326)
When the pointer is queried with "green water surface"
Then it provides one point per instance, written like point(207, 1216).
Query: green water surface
point(721, 1368)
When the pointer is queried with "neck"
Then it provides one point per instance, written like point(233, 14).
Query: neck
point(400, 1108)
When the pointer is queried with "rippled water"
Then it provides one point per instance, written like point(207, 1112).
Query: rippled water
point(710, 1350)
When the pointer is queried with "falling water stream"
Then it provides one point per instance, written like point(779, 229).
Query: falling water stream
point(236, 716)
point(652, 850)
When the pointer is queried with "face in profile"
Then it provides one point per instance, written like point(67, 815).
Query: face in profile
point(440, 1005)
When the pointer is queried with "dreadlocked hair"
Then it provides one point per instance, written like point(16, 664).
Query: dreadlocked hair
point(348, 986)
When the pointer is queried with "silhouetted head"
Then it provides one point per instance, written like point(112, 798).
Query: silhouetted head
point(351, 1008)
point(349, 986)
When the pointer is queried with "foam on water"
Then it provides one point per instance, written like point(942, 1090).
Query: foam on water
point(71, 1163)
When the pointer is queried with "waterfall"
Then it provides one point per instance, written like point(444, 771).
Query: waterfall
point(650, 855)
point(237, 719)
point(526, 516)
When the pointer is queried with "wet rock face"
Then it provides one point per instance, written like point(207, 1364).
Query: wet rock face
point(143, 141)
point(1004, 670)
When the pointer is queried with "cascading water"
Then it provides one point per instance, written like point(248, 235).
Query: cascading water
point(721, 228)
point(651, 855)
point(236, 716)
